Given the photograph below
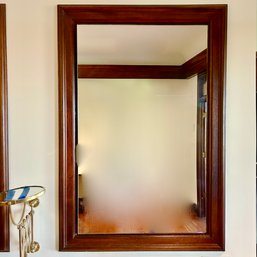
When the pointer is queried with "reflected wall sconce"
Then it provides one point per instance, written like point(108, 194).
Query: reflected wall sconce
point(28, 196)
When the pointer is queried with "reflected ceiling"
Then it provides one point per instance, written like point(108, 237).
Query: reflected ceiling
point(130, 44)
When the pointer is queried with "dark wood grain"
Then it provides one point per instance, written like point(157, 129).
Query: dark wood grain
point(214, 16)
point(195, 65)
point(4, 218)
point(130, 71)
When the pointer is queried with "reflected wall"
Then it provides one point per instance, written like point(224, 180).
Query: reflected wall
point(137, 155)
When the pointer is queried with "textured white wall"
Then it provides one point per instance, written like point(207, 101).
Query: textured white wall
point(32, 72)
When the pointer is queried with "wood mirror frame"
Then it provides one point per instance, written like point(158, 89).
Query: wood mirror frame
point(69, 16)
point(4, 214)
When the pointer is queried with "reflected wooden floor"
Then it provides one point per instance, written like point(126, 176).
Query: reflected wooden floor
point(189, 224)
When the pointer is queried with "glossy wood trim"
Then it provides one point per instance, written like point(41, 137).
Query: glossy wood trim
point(130, 71)
point(256, 77)
point(195, 65)
point(4, 214)
point(215, 16)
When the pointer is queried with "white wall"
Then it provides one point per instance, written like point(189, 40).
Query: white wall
point(32, 72)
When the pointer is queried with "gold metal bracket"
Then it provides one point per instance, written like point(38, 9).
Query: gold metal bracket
point(27, 196)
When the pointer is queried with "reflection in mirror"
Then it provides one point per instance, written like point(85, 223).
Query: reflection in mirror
point(141, 129)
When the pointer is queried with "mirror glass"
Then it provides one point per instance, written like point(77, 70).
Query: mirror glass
point(141, 142)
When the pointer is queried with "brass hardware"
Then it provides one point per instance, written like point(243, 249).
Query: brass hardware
point(34, 203)
point(28, 199)
point(25, 225)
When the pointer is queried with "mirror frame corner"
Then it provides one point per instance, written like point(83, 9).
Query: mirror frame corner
point(4, 174)
point(215, 17)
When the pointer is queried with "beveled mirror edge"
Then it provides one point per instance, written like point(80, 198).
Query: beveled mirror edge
point(4, 214)
point(215, 16)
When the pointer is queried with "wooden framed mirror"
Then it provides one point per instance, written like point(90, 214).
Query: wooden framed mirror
point(4, 217)
point(109, 83)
